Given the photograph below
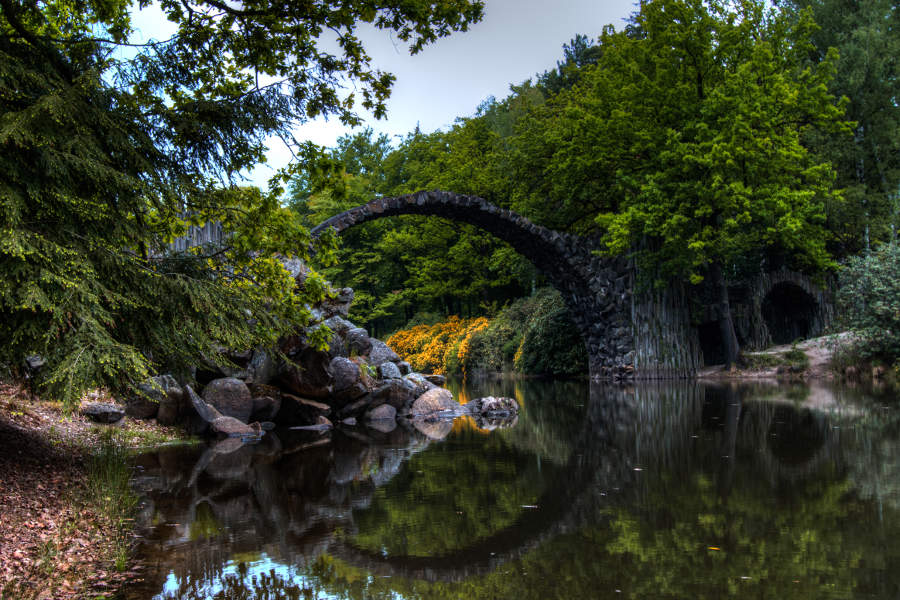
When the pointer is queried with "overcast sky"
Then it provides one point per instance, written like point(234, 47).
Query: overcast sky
point(450, 78)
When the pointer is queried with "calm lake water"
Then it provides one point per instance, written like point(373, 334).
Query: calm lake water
point(660, 491)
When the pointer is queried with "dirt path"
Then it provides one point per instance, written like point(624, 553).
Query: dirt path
point(819, 352)
point(54, 544)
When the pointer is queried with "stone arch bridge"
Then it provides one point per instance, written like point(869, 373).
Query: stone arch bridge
point(628, 335)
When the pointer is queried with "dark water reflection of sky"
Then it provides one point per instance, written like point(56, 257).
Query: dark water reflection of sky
point(654, 491)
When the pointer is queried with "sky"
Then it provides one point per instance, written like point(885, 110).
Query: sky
point(448, 79)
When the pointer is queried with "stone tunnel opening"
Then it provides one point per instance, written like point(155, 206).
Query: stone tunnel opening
point(789, 312)
point(711, 345)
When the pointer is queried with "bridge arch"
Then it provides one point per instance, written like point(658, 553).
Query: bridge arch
point(596, 290)
point(560, 257)
point(648, 337)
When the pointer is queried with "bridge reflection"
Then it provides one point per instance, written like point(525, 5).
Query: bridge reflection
point(403, 507)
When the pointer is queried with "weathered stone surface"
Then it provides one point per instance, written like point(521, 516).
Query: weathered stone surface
point(232, 427)
point(434, 401)
point(205, 411)
point(296, 410)
point(420, 384)
point(358, 341)
point(144, 403)
point(172, 403)
point(381, 353)
point(231, 397)
point(396, 392)
point(308, 374)
point(389, 370)
point(265, 408)
point(340, 303)
point(436, 379)
point(349, 421)
point(339, 325)
point(262, 368)
point(344, 373)
point(491, 407)
point(383, 412)
point(103, 412)
point(337, 346)
point(405, 367)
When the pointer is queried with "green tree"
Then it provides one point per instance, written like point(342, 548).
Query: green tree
point(106, 157)
point(869, 301)
point(866, 37)
point(685, 145)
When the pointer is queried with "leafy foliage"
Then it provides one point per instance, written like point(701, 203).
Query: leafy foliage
point(107, 157)
point(869, 300)
point(868, 166)
point(534, 336)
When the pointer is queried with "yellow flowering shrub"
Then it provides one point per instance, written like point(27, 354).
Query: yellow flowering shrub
point(439, 348)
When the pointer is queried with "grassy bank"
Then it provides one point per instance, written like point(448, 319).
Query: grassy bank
point(66, 503)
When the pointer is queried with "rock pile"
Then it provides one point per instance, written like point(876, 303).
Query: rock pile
point(357, 379)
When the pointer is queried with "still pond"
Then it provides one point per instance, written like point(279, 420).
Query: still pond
point(686, 490)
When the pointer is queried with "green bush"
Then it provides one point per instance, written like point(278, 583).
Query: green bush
point(869, 302)
point(552, 344)
point(534, 335)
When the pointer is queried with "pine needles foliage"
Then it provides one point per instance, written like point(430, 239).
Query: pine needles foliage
point(104, 160)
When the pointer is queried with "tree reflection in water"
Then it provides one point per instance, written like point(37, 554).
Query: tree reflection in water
point(675, 491)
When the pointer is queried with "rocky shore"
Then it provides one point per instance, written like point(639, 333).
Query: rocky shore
point(358, 381)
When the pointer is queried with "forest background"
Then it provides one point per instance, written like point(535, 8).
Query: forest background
point(735, 138)
point(709, 140)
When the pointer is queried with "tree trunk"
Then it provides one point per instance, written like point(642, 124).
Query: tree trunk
point(726, 324)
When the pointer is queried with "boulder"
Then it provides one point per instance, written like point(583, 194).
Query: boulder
point(381, 353)
point(308, 374)
point(172, 402)
point(344, 373)
point(389, 370)
point(347, 381)
point(396, 392)
point(439, 380)
point(349, 421)
point(262, 368)
point(231, 427)
point(337, 346)
point(230, 397)
point(493, 408)
point(339, 325)
point(383, 412)
point(265, 408)
point(382, 425)
point(296, 410)
point(358, 341)
point(297, 268)
point(420, 384)
point(103, 412)
point(437, 400)
point(405, 367)
point(206, 412)
point(144, 403)
point(339, 303)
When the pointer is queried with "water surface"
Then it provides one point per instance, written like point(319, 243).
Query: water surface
point(682, 490)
